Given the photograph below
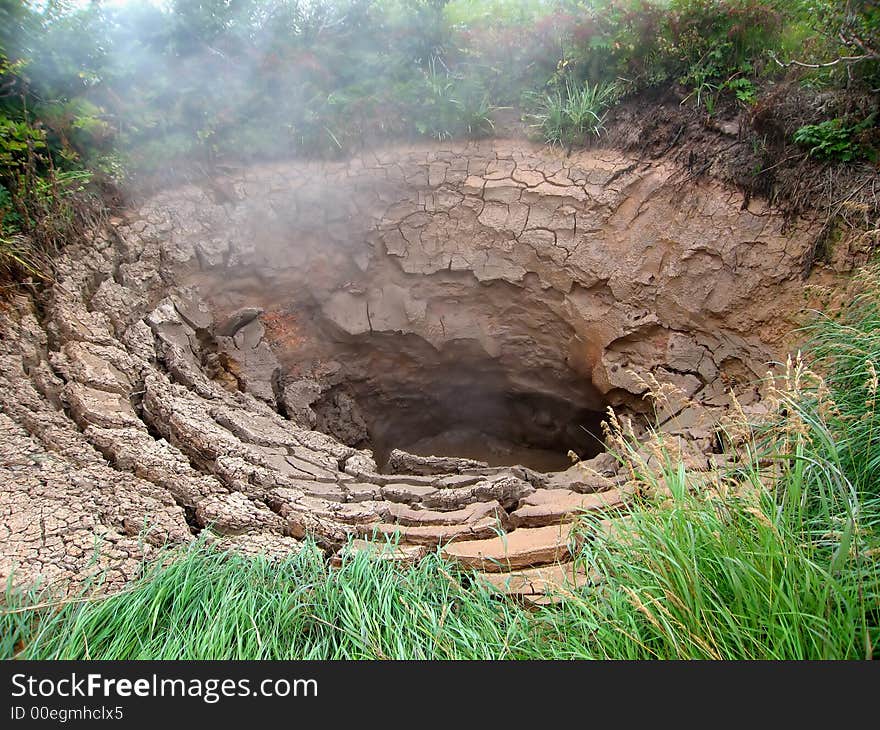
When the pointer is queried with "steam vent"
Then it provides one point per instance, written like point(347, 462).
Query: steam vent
point(414, 343)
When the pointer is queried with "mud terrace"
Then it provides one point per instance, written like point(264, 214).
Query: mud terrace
point(254, 356)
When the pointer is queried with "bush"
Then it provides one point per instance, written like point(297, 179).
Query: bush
point(442, 105)
point(835, 140)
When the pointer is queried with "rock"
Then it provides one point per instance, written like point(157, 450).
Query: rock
point(604, 464)
point(507, 491)
point(235, 321)
point(138, 338)
point(685, 355)
point(404, 554)
point(233, 514)
point(695, 422)
point(155, 460)
point(553, 506)
point(169, 327)
point(458, 480)
point(183, 367)
point(405, 515)
point(253, 428)
point(192, 310)
point(536, 479)
point(121, 305)
point(521, 548)
point(294, 467)
point(549, 579)
point(359, 492)
point(433, 535)
point(91, 407)
point(299, 521)
point(341, 416)
point(360, 513)
point(731, 129)
point(401, 462)
point(324, 490)
point(263, 545)
point(255, 366)
point(353, 467)
point(580, 478)
point(250, 335)
point(297, 399)
point(182, 419)
point(98, 366)
point(407, 493)
point(72, 321)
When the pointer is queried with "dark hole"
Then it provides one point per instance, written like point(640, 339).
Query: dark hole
point(458, 401)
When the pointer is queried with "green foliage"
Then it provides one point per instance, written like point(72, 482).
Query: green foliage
point(19, 257)
point(474, 13)
point(835, 140)
point(846, 347)
point(213, 605)
point(442, 105)
point(39, 203)
point(744, 89)
point(21, 146)
point(190, 81)
point(575, 115)
point(844, 28)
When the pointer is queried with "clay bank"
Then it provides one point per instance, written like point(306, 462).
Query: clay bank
point(407, 343)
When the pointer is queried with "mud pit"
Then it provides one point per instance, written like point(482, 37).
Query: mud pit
point(392, 389)
point(399, 392)
point(405, 344)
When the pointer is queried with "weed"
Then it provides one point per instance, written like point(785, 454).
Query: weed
point(835, 140)
point(575, 115)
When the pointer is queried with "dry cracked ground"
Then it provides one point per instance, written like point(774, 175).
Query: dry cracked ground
point(404, 344)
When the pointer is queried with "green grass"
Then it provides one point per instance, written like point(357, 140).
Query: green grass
point(573, 116)
point(694, 581)
point(848, 347)
point(210, 605)
point(775, 556)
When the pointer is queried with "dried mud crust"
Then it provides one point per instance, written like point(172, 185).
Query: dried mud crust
point(141, 398)
point(750, 148)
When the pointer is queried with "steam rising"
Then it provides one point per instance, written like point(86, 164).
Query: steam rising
point(172, 89)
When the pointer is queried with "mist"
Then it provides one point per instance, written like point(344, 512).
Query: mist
point(165, 91)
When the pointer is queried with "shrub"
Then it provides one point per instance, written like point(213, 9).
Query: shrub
point(443, 105)
point(835, 140)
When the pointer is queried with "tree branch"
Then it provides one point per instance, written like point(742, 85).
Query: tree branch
point(835, 62)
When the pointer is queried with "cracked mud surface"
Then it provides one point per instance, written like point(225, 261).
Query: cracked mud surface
point(190, 364)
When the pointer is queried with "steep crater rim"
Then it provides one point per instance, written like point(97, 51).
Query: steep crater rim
point(387, 390)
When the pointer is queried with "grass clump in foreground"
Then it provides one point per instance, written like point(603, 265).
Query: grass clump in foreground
point(773, 556)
